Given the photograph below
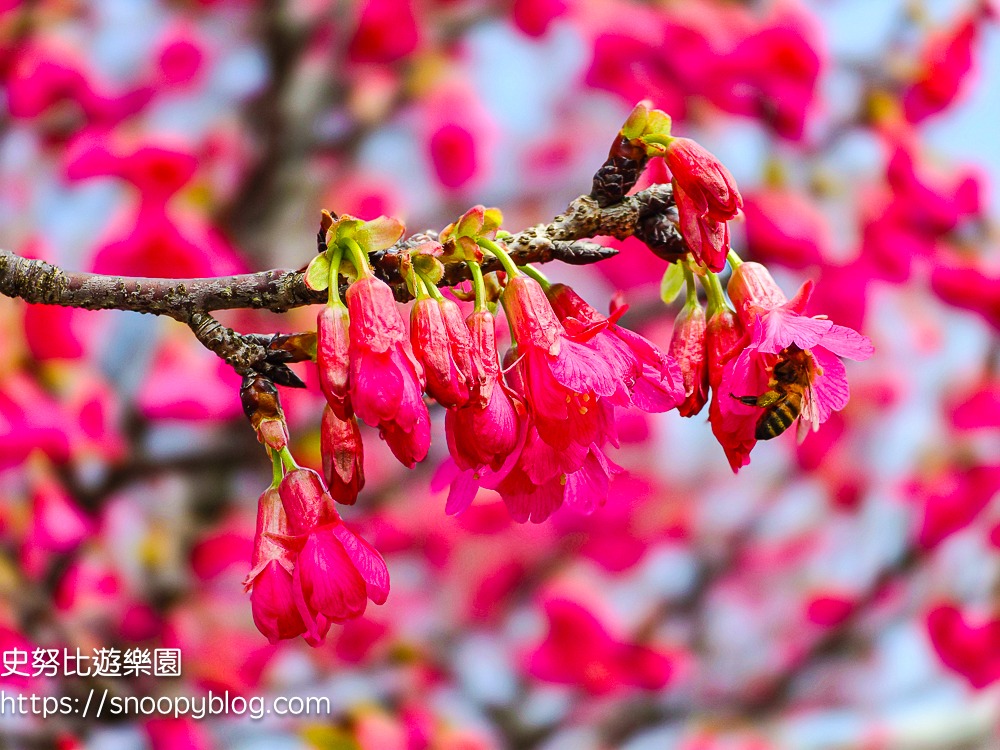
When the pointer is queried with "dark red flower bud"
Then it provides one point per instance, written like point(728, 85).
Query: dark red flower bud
point(343, 456)
point(485, 365)
point(688, 347)
point(704, 179)
point(332, 342)
point(725, 340)
point(443, 348)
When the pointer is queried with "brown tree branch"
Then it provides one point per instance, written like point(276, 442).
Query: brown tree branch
point(279, 290)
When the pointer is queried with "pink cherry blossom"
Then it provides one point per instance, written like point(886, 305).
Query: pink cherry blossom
point(386, 380)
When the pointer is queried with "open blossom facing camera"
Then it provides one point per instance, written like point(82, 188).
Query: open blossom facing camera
point(791, 367)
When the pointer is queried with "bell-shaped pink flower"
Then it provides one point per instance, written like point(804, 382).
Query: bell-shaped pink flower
point(336, 571)
point(343, 456)
point(441, 343)
point(386, 381)
point(648, 378)
point(777, 330)
point(485, 431)
point(328, 588)
point(688, 348)
point(332, 357)
point(562, 381)
point(270, 579)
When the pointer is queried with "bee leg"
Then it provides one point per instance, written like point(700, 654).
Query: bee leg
point(748, 400)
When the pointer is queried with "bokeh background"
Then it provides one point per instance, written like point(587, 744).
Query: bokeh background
point(844, 593)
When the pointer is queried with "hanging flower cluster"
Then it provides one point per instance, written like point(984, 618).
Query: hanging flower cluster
point(535, 424)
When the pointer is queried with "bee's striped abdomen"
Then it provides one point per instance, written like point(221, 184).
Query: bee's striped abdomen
point(777, 419)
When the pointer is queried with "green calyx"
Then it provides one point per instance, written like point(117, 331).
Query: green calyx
point(461, 238)
point(650, 127)
point(349, 238)
point(285, 456)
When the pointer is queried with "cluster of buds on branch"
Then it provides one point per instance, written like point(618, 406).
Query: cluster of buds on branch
point(535, 424)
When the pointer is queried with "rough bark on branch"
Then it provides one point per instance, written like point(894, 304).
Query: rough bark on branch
point(279, 290)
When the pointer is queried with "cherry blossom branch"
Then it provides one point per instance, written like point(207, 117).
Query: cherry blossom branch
point(279, 290)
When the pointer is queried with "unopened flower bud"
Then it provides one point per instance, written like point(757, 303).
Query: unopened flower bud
point(752, 289)
point(704, 179)
point(343, 456)
point(273, 433)
point(334, 365)
point(688, 347)
point(484, 361)
point(262, 407)
point(431, 337)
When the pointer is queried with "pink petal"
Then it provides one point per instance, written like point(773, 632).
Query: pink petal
point(367, 560)
point(847, 342)
point(462, 493)
point(587, 488)
point(782, 328)
point(830, 390)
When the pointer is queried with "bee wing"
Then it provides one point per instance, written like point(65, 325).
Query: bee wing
point(809, 416)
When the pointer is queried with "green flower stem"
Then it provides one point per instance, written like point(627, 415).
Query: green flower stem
point(287, 460)
point(416, 281)
point(536, 275)
point(278, 470)
point(692, 289)
point(334, 289)
point(430, 286)
point(478, 285)
point(734, 259)
point(716, 298)
point(497, 251)
point(358, 256)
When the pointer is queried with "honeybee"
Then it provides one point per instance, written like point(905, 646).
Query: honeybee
point(788, 397)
